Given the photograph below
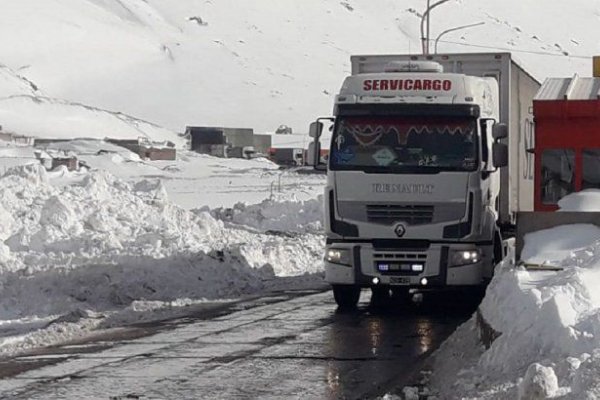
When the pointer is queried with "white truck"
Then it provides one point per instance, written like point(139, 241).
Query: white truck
point(428, 165)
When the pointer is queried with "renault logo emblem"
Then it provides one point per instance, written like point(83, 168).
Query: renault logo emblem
point(400, 230)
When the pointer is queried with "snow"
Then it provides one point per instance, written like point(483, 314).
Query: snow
point(548, 320)
point(26, 110)
point(179, 63)
point(11, 156)
point(13, 84)
point(87, 250)
point(281, 216)
point(132, 239)
point(558, 243)
point(196, 180)
point(586, 200)
point(59, 119)
point(539, 383)
point(411, 393)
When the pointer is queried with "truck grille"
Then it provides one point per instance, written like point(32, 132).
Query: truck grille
point(400, 256)
point(388, 214)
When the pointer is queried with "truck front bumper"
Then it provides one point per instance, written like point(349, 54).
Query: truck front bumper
point(365, 265)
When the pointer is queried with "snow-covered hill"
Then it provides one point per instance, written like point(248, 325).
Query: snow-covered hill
point(40, 116)
point(255, 63)
point(26, 110)
point(13, 84)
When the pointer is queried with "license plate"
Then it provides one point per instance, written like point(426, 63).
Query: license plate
point(399, 280)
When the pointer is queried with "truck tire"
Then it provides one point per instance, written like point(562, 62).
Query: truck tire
point(346, 296)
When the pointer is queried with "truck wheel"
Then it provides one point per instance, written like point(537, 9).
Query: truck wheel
point(346, 296)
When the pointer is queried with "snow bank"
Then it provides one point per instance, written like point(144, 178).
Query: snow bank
point(276, 216)
point(586, 200)
point(549, 323)
point(97, 219)
point(554, 245)
point(79, 247)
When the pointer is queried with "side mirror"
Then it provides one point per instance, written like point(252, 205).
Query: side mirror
point(499, 131)
point(500, 155)
point(313, 154)
point(315, 130)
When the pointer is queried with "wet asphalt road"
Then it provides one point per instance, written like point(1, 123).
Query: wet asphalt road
point(287, 346)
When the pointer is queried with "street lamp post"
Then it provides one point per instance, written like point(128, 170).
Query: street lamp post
point(452, 30)
point(425, 17)
point(428, 26)
point(426, 42)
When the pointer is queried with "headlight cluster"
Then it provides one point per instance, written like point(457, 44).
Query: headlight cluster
point(465, 257)
point(338, 256)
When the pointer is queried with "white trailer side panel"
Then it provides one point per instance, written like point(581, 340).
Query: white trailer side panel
point(521, 161)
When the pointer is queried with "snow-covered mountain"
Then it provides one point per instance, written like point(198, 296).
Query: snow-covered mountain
point(251, 63)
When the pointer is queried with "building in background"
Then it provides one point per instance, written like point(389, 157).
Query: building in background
point(69, 161)
point(567, 139)
point(221, 141)
point(12, 139)
point(132, 145)
point(147, 149)
point(262, 143)
point(287, 156)
point(155, 153)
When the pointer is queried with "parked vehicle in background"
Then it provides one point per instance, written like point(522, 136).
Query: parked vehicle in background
point(287, 156)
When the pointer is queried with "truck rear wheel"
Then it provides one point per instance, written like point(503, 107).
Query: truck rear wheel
point(346, 296)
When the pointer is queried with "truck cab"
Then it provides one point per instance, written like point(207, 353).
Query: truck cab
point(414, 177)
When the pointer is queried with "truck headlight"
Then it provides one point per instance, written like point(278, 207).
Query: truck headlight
point(464, 257)
point(338, 256)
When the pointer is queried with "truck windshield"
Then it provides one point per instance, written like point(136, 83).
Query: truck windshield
point(404, 144)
